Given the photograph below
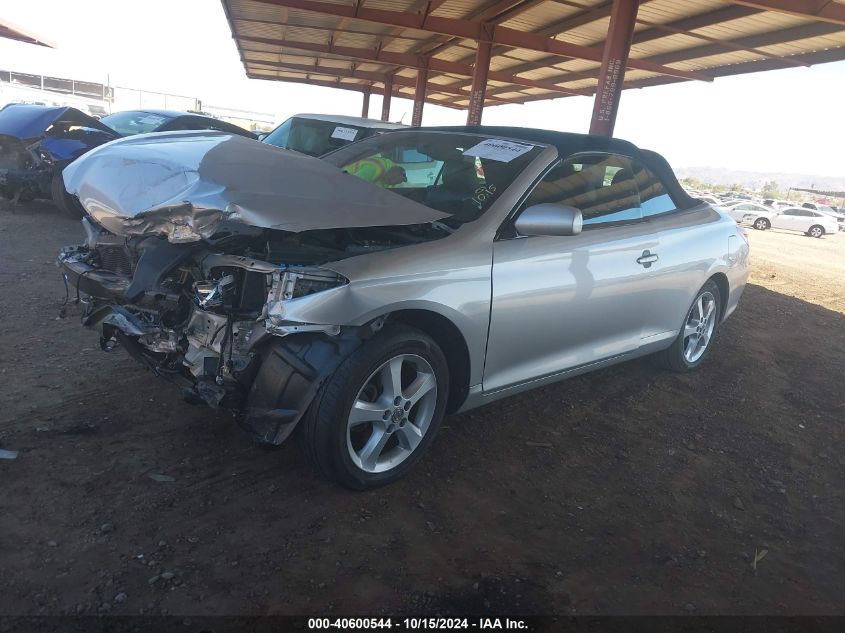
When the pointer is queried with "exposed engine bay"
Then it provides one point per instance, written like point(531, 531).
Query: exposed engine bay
point(212, 314)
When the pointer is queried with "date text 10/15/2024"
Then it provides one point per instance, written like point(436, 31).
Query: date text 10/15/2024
point(415, 624)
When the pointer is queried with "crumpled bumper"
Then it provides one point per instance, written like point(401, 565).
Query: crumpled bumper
point(84, 278)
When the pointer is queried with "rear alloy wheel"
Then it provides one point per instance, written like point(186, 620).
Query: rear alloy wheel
point(693, 344)
point(815, 231)
point(373, 419)
point(761, 224)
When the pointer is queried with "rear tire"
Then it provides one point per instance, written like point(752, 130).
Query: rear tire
point(695, 340)
point(374, 418)
point(761, 224)
point(61, 198)
point(816, 231)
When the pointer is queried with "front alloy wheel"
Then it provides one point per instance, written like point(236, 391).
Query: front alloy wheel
point(815, 231)
point(392, 413)
point(375, 417)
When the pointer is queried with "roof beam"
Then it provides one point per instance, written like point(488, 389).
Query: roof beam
point(721, 46)
point(337, 30)
point(646, 35)
point(475, 31)
point(572, 22)
point(395, 32)
point(759, 65)
point(587, 15)
point(411, 61)
point(750, 42)
point(348, 73)
point(700, 21)
point(819, 10)
point(342, 86)
point(792, 34)
point(497, 12)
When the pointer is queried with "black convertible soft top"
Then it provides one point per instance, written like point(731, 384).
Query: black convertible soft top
point(568, 143)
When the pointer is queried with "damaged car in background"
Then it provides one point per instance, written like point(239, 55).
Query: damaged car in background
point(37, 142)
point(312, 295)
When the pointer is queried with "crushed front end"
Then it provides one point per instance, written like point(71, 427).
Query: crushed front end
point(211, 317)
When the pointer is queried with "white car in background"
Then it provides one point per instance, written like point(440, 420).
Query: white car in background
point(318, 134)
point(806, 221)
point(743, 211)
point(836, 215)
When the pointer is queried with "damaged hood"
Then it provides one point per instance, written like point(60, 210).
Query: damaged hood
point(183, 184)
point(26, 121)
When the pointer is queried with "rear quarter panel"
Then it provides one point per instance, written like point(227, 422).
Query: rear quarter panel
point(694, 245)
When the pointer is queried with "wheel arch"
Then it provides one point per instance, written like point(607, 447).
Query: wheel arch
point(721, 281)
point(448, 336)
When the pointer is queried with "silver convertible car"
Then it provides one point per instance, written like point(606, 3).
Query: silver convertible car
point(333, 298)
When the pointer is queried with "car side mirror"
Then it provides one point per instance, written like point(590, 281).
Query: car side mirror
point(549, 219)
point(262, 136)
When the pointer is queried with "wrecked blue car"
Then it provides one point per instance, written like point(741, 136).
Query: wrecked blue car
point(37, 142)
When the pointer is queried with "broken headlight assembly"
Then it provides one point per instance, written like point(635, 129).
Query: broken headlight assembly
point(291, 284)
point(294, 284)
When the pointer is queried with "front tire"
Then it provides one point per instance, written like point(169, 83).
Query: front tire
point(693, 344)
point(816, 231)
point(374, 418)
point(61, 198)
point(761, 224)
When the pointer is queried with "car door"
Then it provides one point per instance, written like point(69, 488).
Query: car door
point(790, 219)
point(563, 302)
point(741, 210)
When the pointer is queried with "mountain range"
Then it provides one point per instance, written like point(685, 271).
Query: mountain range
point(756, 179)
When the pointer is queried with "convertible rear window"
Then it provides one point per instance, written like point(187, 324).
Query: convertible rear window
point(605, 187)
point(454, 173)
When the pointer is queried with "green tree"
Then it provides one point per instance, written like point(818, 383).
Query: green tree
point(771, 189)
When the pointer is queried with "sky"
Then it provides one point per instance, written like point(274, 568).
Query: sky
point(778, 121)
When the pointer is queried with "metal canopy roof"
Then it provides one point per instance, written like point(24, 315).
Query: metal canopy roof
point(11, 32)
point(542, 49)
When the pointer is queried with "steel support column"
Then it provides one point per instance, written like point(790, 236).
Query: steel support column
point(419, 96)
point(479, 82)
point(614, 61)
point(365, 108)
point(388, 92)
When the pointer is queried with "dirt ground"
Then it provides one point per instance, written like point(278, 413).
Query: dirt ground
point(628, 491)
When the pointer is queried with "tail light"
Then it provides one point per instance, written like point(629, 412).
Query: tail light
point(743, 233)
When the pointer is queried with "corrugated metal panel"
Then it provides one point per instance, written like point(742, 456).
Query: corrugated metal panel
point(749, 39)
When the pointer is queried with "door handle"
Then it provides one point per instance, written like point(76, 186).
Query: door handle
point(647, 259)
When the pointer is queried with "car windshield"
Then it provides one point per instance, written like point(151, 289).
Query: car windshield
point(134, 122)
point(454, 173)
point(315, 138)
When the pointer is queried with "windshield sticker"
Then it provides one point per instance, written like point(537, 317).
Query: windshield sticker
point(498, 150)
point(345, 133)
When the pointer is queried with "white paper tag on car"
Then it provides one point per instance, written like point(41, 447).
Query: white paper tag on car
point(495, 149)
point(345, 133)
